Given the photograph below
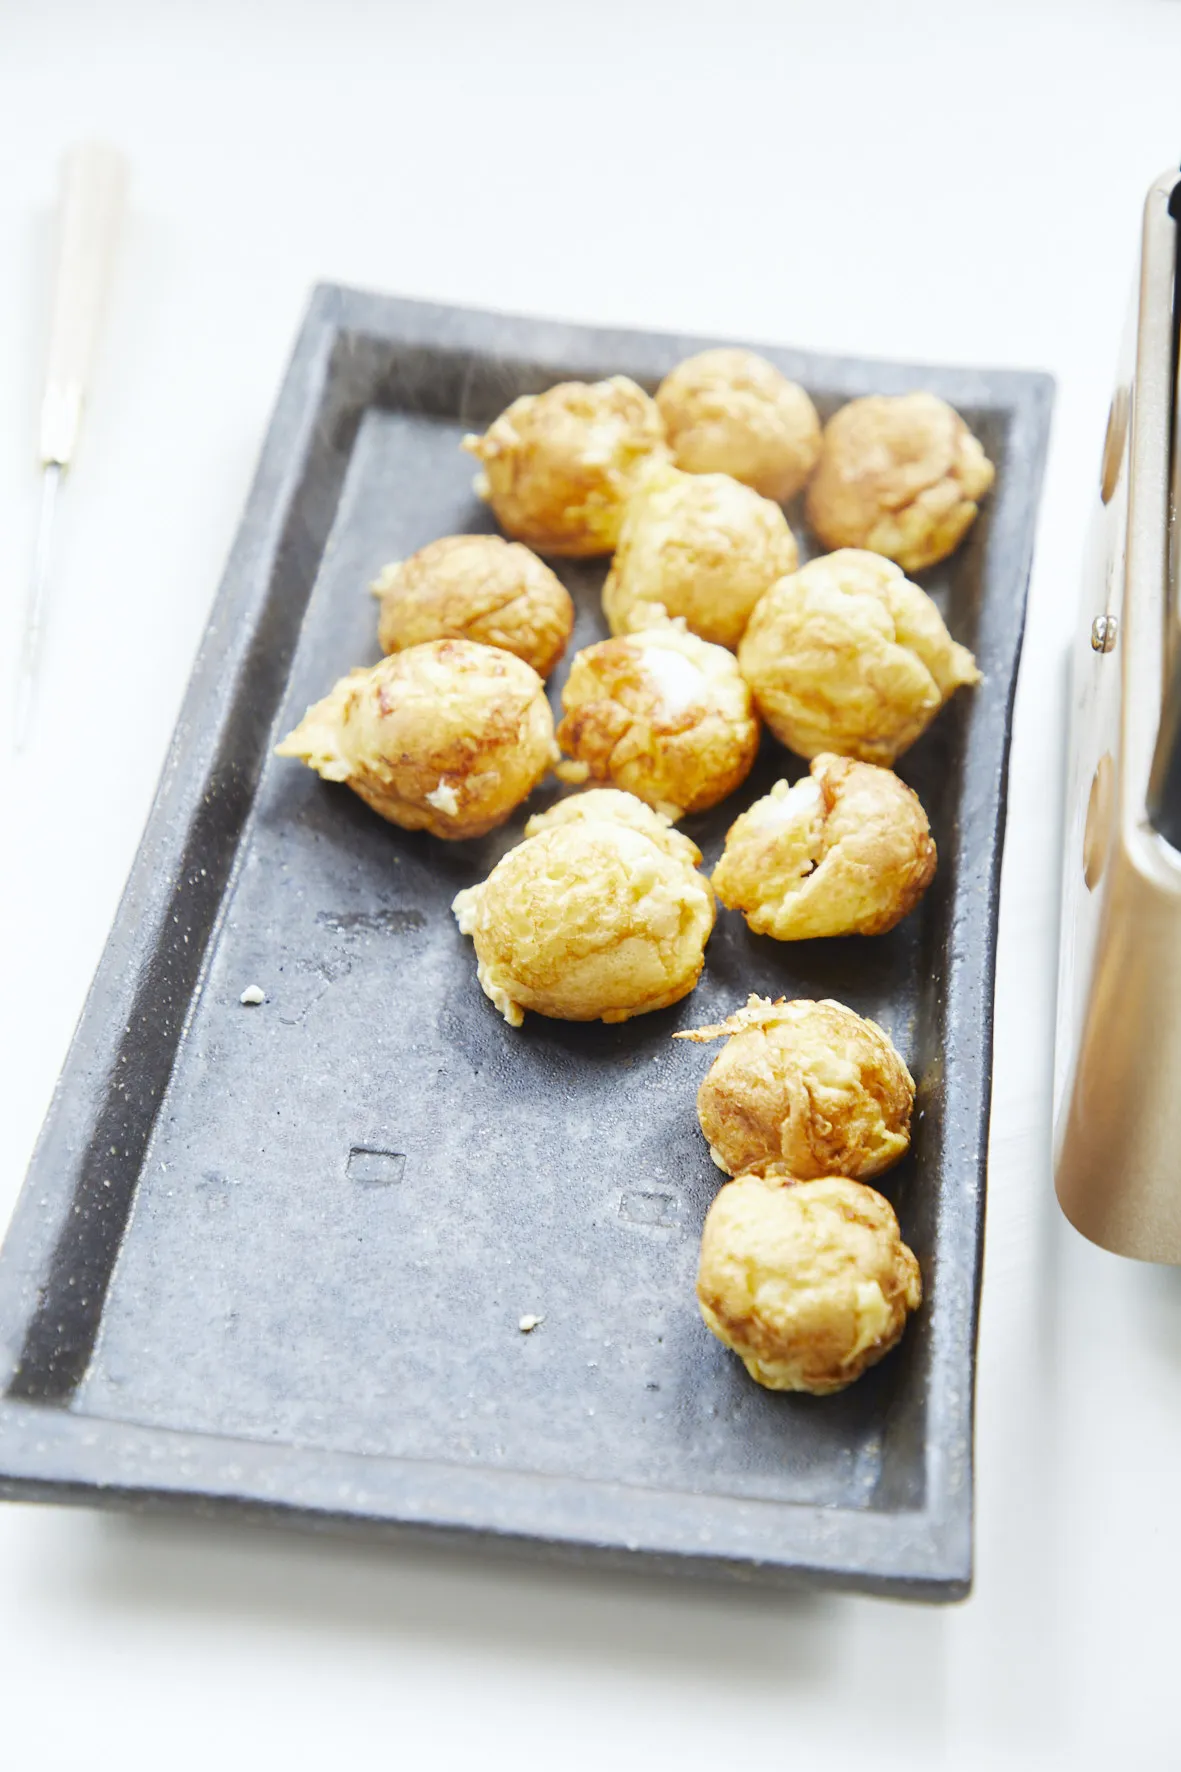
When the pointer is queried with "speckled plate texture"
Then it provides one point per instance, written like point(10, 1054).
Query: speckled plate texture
point(272, 1260)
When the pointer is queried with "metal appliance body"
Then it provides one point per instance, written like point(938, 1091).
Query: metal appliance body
point(1117, 1110)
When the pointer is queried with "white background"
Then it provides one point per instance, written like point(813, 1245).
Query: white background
point(936, 181)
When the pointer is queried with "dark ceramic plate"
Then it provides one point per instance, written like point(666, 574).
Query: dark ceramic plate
point(272, 1260)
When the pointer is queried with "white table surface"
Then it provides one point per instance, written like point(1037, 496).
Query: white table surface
point(939, 181)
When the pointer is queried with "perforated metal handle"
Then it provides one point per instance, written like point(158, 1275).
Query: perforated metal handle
point(93, 191)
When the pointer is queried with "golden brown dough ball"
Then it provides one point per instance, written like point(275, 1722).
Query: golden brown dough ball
point(661, 714)
point(598, 915)
point(476, 587)
point(559, 467)
point(900, 475)
point(701, 546)
point(448, 737)
point(846, 851)
point(804, 1089)
point(847, 655)
point(808, 1282)
point(618, 807)
point(731, 412)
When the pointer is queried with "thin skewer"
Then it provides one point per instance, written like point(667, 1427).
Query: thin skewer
point(38, 597)
point(94, 180)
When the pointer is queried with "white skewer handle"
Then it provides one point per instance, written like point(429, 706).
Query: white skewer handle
point(93, 189)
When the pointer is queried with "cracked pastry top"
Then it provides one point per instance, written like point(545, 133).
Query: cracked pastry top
point(847, 850)
point(729, 411)
point(558, 468)
point(848, 655)
point(808, 1282)
point(803, 1089)
point(703, 547)
point(476, 587)
point(661, 714)
point(901, 475)
point(598, 915)
point(447, 737)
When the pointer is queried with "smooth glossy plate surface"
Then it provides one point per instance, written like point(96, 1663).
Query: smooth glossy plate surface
point(274, 1259)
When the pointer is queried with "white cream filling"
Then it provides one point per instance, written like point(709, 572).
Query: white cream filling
point(799, 804)
point(680, 684)
point(444, 799)
point(600, 444)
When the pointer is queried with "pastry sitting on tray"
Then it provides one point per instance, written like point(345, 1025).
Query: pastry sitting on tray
point(848, 655)
point(702, 546)
point(476, 587)
point(732, 412)
point(847, 850)
point(448, 737)
point(808, 1282)
point(559, 467)
point(598, 915)
point(661, 714)
point(803, 1089)
point(900, 475)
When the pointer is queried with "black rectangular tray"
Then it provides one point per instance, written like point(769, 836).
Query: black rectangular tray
point(272, 1260)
